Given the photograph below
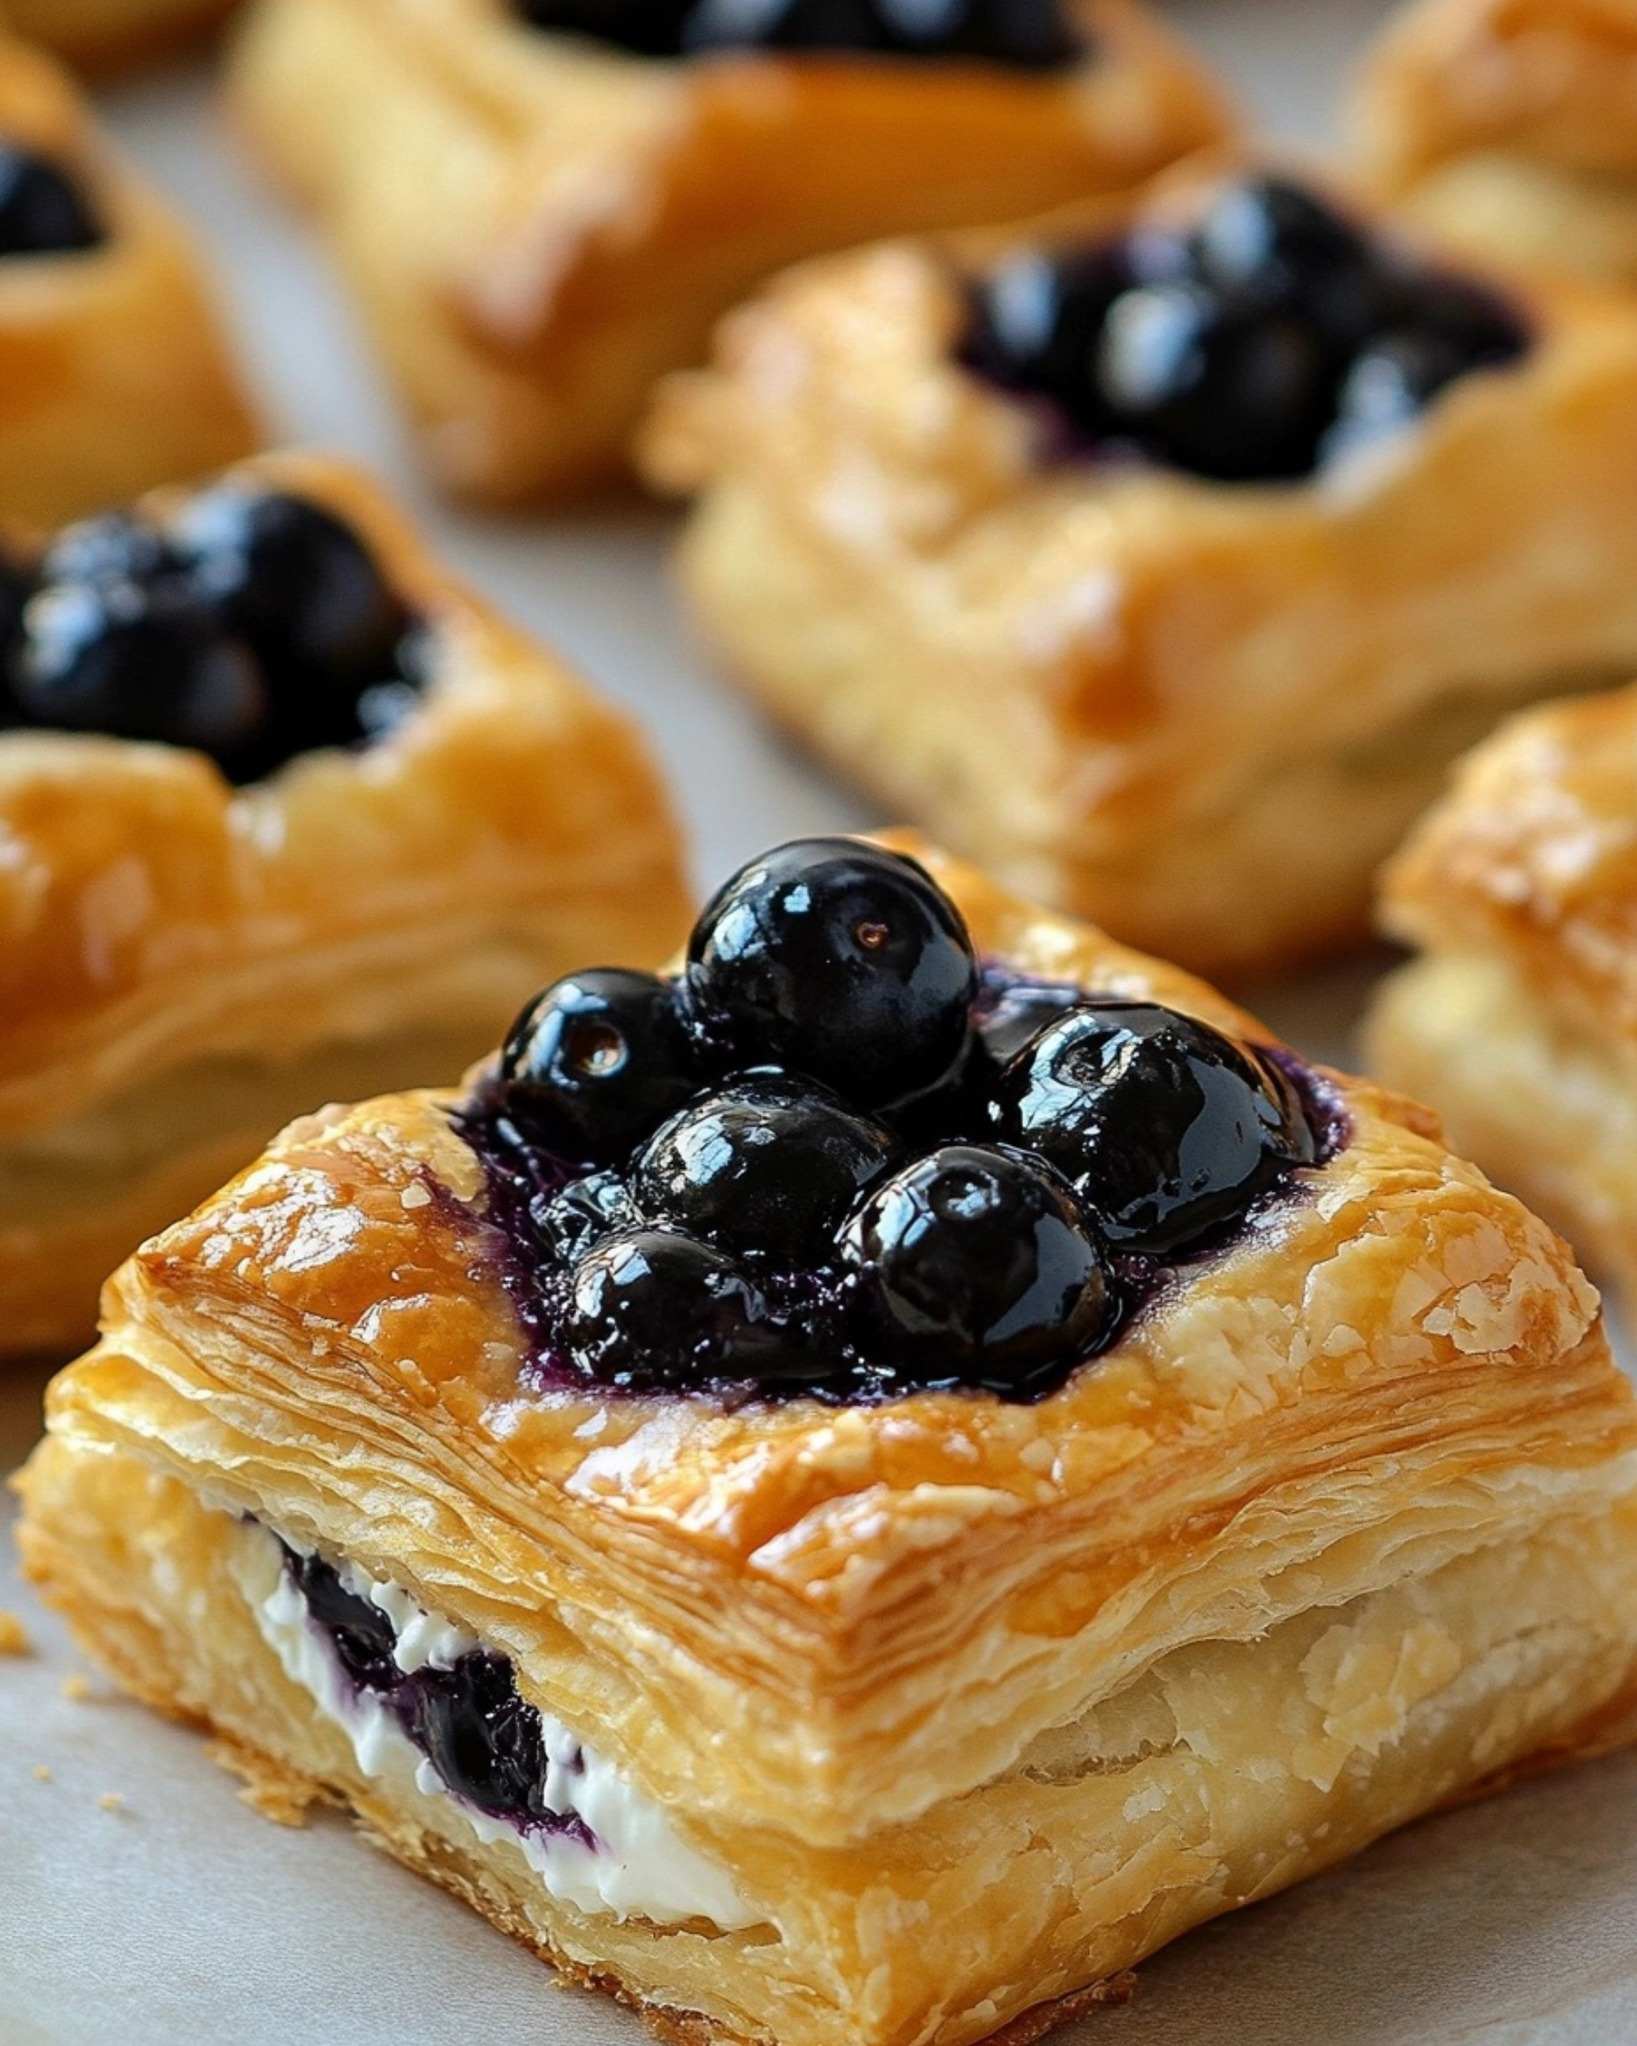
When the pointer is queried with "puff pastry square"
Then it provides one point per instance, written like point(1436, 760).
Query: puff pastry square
point(1511, 126)
point(188, 963)
point(103, 35)
point(911, 1724)
point(114, 371)
point(1519, 1018)
point(1136, 692)
point(537, 225)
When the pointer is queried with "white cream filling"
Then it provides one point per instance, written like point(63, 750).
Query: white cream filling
point(641, 1867)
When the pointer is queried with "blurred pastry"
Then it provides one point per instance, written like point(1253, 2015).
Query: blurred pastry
point(1510, 126)
point(1519, 1019)
point(285, 814)
point(866, 1555)
point(542, 205)
point(1163, 556)
point(103, 35)
point(114, 372)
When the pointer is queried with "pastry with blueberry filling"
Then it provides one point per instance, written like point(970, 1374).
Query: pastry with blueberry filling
point(114, 371)
point(848, 1492)
point(544, 204)
point(1164, 556)
point(105, 35)
point(287, 816)
point(1518, 1017)
point(1511, 127)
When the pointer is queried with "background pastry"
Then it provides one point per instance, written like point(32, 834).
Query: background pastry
point(882, 1600)
point(101, 34)
point(541, 206)
point(1164, 556)
point(285, 812)
point(114, 373)
point(1519, 1020)
point(1511, 127)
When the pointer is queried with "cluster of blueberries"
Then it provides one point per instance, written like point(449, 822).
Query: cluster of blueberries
point(838, 1157)
point(1026, 34)
point(42, 211)
point(252, 626)
point(1261, 343)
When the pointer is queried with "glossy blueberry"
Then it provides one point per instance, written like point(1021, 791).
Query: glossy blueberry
point(42, 211)
point(596, 1061)
point(835, 959)
point(653, 1309)
point(580, 1214)
point(768, 1164)
point(118, 546)
point(1027, 34)
point(1037, 326)
point(482, 1738)
point(296, 581)
point(647, 28)
point(139, 663)
point(1166, 1128)
point(1270, 243)
point(1011, 1013)
point(975, 1266)
point(1226, 392)
point(360, 1633)
point(16, 587)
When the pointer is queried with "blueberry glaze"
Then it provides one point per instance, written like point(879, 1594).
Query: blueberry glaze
point(43, 212)
point(252, 626)
point(1263, 342)
point(486, 1742)
point(813, 1223)
point(1024, 35)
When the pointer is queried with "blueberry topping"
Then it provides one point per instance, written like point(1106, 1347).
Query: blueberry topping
point(1024, 34)
point(975, 1266)
point(838, 960)
point(596, 1061)
point(653, 1308)
point(360, 1633)
point(776, 1210)
point(1253, 347)
point(769, 1164)
point(483, 1740)
point(118, 546)
point(42, 212)
point(1166, 1128)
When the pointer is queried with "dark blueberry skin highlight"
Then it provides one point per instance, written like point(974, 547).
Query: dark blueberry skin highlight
point(485, 1741)
point(43, 212)
point(779, 1236)
point(1271, 337)
point(253, 626)
point(1024, 35)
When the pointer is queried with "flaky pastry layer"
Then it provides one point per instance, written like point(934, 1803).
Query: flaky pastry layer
point(1509, 126)
point(172, 939)
point(538, 226)
point(114, 369)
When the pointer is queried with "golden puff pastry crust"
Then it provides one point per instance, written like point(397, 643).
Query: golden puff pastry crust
point(938, 1714)
point(1200, 713)
point(105, 35)
point(115, 374)
point(1519, 1019)
point(537, 227)
point(1511, 126)
point(187, 964)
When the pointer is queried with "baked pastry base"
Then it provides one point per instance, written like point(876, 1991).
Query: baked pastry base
point(1284, 1754)
point(108, 35)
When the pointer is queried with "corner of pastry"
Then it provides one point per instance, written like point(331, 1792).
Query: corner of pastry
point(609, 180)
point(1511, 127)
point(1163, 554)
point(286, 815)
point(1518, 1017)
point(920, 1420)
point(115, 374)
point(104, 36)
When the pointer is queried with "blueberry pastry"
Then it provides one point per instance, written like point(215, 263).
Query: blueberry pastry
point(286, 816)
point(1165, 556)
point(543, 204)
point(114, 374)
point(1511, 126)
point(1519, 1018)
point(849, 1493)
point(102, 35)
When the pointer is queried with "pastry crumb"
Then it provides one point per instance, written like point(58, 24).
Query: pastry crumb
point(14, 1638)
point(111, 1801)
point(42, 1772)
point(270, 1791)
point(414, 1197)
point(76, 1689)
